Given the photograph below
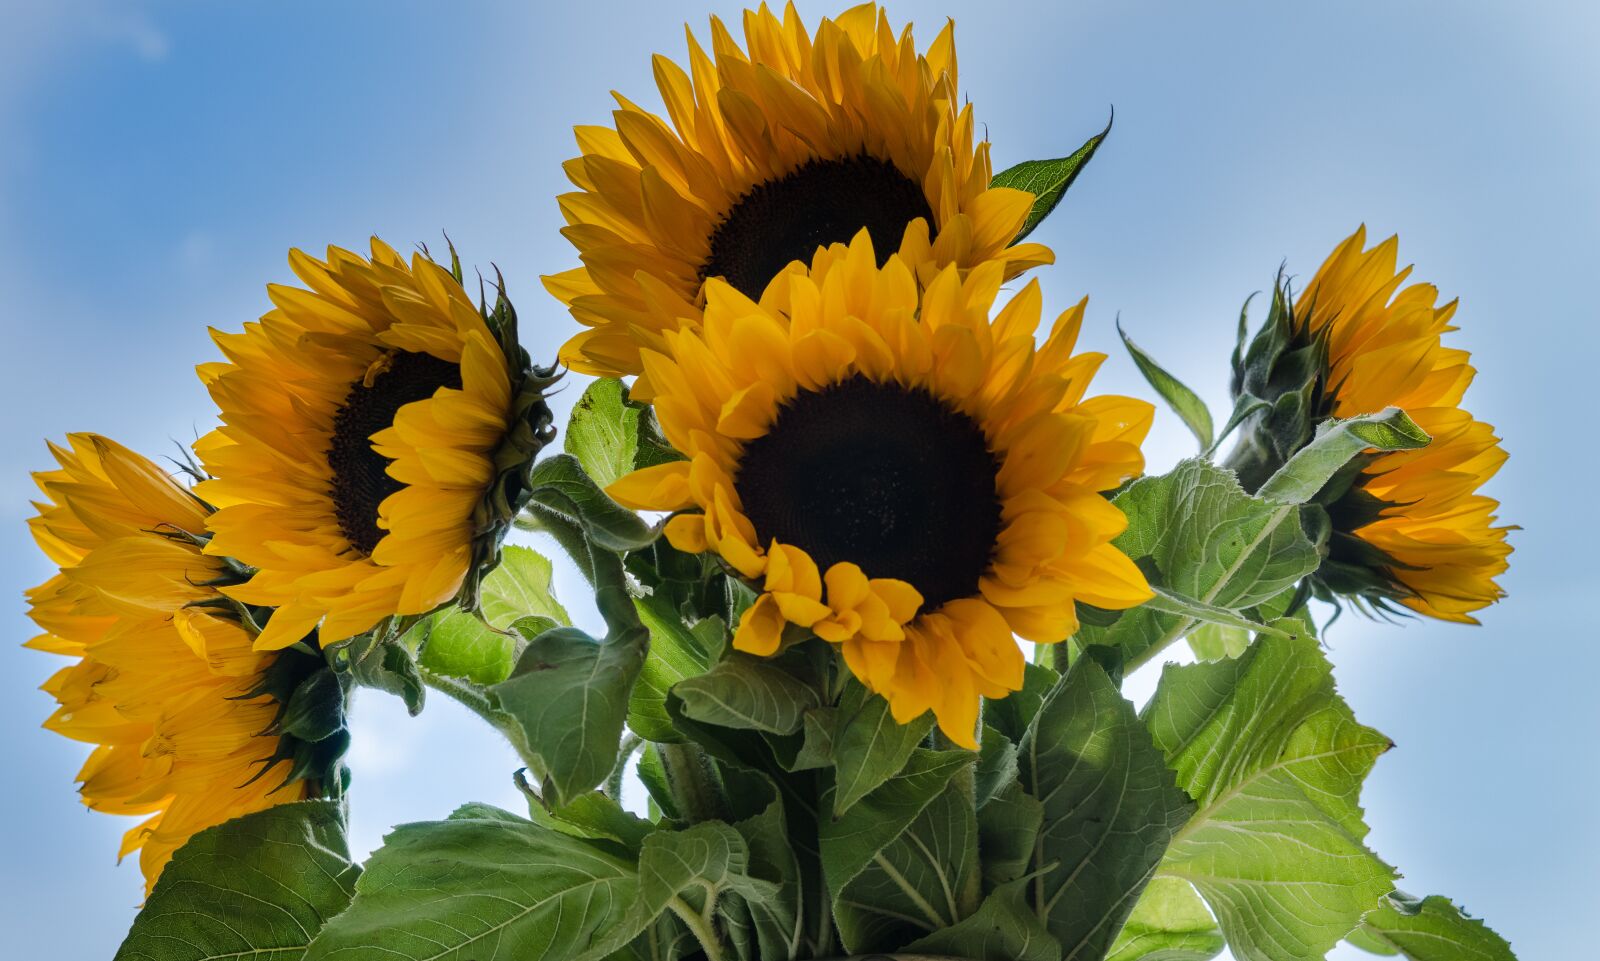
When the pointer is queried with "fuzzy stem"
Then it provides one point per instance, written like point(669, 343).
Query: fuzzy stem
point(476, 699)
point(687, 778)
point(700, 927)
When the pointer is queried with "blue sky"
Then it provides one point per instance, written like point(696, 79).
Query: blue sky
point(158, 159)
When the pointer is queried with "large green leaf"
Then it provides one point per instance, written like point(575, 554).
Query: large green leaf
point(1275, 760)
point(675, 654)
point(1110, 807)
point(1047, 180)
point(595, 816)
point(924, 880)
point(1004, 928)
point(869, 746)
point(1008, 834)
point(603, 432)
point(1200, 536)
point(258, 886)
point(561, 489)
point(520, 587)
point(850, 842)
point(1170, 923)
point(1183, 401)
point(698, 862)
point(569, 695)
point(766, 918)
point(1336, 444)
point(456, 643)
point(747, 692)
point(1432, 929)
point(611, 435)
point(485, 889)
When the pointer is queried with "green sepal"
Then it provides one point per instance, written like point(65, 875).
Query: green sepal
point(530, 428)
point(310, 725)
point(1278, 391)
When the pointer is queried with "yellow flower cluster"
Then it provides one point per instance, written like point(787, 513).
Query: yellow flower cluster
point(802, 266)
point(164, 682)
point(1385, 349)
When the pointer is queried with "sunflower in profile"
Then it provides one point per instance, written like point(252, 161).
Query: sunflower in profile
point(897, 474)
point(1407, 526)
point(772, 149)
point(376, 432)
point(165, 684)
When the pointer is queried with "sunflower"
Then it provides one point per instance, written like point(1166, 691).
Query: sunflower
point(789, 143)
point(1408, 526)
point(376, 432)
point(166, 684)
point(903, 479)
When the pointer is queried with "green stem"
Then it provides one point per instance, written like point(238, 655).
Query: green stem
point(475, 699)
point(700, 927)
point(689, 782)
point(631, 742)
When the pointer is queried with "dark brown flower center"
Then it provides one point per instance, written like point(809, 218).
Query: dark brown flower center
point(819, 203)
point(360, 474)
point(888, 477)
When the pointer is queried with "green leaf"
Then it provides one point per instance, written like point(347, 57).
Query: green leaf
point(1337, 442)
point(595, 816)
point(1432, 929)
point(1110, 807)
point(1004, 928)
point(850, 842)
point(1170, 923)
point(569, 694)
point(561, 489)
point(261, 885)
point(1171, 602)
point(811, 747)
point(1216, 642)
point(456, 643)
point(770, 909)
point(675, 654)
point(485, 889)
point(479, 810)
point(997, 765)
point(747, 692)
point(1275, 760)
point(390, 669)
point(925, 879)
point(1012, 714)
point(869, 746)
point(519, 587)
point(603, 432)
point(704, 858)
point(1008, 834)
point(1047, 180)
point(1199, 535)
point(1183, 401)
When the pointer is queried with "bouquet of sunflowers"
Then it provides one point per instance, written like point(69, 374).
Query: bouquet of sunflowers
point(872, 557)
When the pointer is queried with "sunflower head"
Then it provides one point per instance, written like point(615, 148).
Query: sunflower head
point(1406, 527)
point(895, 473)
point(792, 141)
point(190, 725)
point(377, 432)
